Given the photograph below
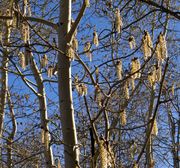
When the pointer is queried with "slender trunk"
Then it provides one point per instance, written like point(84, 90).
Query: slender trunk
point(172, 129)
point(44, 116)
point(149, 156)
point(3, 93)
point(13, 132)
point(65, 89)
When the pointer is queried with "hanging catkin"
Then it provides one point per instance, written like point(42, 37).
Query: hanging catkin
point(25, 32)
point(172, 89)
point(8, 27)
point(75, 44)
point(70, 53)
point(98, 96)
point(22, 60)
point(76, 82)
point(82, 89)
point(135, 165)
point(28, 54)
point(44, 61)
point(155, 128)
point(102, 154)
point(132, 42)
point(50, 71)
point(138, 66)
point(118, 21)
point(123, 117)
point(95, 39)
point(161, 48)
point(152, 76)
point(158, 73)
point(133, 149)
point(87, 50)
point(147, 45)
point(97, 74)
point(9, 22)
point(126, 90)
point(87, 3)
point(135, 67)
point(110, 156)
point(25, 3)
point(119, 69)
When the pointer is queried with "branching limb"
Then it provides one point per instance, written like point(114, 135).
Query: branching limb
point(76, 23)
point(162, 8)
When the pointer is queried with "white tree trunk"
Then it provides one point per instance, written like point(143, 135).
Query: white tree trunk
point(65, 89)
point(3, 93)
point(44, 116)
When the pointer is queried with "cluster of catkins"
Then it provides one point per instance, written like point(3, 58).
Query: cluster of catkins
point(87, 45)
point(80, 87)
point(106, 156)
point(16, 21)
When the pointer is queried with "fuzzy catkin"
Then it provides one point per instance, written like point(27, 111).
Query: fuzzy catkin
point(82, 89)
point(152, 76)
point(135, 66)
point(8, 28)
point(135, 165)
point(119, 69)
point(25, 32)
point(44, 61)
point(172, 89)
point(155, 128)
point(118, 21)
point(75, 44)
point(98, 96)
point(158, 73)
point(126, 90)
point(87, 50)
point(50, 71)
point(132, 42)
point(161, 48)
point(97, 74)
point(22, 60)
point(95, 39)
point(123, 120)
point(147, 45)
point(87, 3)
point(70, 53)
point(102, 155)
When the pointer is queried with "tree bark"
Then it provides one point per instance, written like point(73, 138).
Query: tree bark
point(65, 88)
point(3, 92)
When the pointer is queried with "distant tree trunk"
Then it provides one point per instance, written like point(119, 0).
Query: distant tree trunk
point(3, 92)
point(149, 156)
point(44, 116)
point(65, 89)
point(13, 132)
point(173, 134)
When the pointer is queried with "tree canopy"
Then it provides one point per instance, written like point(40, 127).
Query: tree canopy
point(92, 83)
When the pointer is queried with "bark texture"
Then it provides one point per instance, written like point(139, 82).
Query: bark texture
point(65, 88)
